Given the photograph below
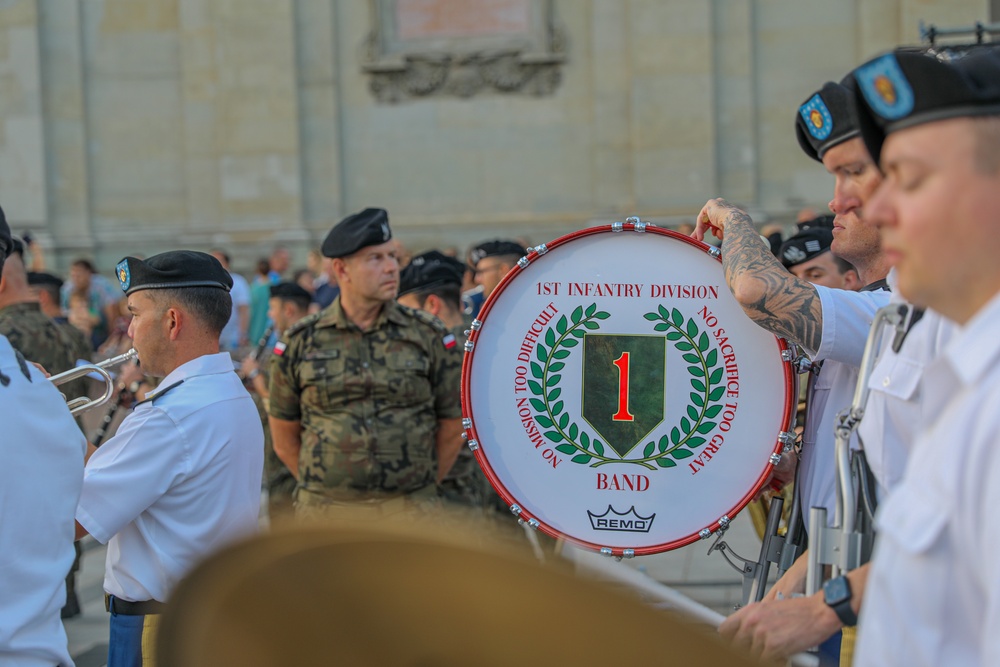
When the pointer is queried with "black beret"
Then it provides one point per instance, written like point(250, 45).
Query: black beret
point(39, 278)
point(805, 245)
point(172, 270)
point(289, 290)
point(430, 269)
point(497, 248)
point(6, 244)
point(357, 231)
point(901, 89)
point(826, 119)
point(825, 221)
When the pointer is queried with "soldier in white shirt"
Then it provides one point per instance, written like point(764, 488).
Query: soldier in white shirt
point(827, 128)
point(182, 476)
point(39, 487)
point(934, 591)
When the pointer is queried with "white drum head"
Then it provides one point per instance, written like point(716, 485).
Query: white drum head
point(617, 396)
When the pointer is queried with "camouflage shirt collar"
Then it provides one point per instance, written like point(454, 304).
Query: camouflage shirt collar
point(23, 307)
point(334, 316)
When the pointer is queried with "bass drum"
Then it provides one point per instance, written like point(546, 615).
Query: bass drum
point(617, 396)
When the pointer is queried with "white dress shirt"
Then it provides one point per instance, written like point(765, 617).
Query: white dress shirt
point(180, 479)
point(896, 411)
point(40, 483)
point(933, 593)
point(847, 317)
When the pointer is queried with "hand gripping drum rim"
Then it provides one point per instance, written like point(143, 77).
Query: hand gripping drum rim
point(479, 378)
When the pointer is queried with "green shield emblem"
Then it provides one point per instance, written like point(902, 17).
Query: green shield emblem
point(623, 386)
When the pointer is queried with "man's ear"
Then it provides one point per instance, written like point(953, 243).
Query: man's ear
point(175, 321)
point(852, 281)
point(432, 304)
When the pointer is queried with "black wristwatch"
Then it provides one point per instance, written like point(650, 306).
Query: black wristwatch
point(837, 595)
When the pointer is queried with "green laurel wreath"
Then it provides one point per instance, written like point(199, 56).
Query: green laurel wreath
point(577, 442)
point(705, 375)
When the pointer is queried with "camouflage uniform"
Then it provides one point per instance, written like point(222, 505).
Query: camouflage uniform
point(278, 479)
point(465, 484)
point(368, 401)
point(39, 339)
point(77, 341)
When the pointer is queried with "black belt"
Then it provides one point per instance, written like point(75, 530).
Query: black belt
point(126, 608)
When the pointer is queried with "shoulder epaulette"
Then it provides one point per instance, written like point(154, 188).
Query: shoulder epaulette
point(159, 393)
point(304, 323)
point(426, 318)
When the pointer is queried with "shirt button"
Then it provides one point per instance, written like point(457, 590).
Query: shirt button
point(885, 381)
point(364, 364)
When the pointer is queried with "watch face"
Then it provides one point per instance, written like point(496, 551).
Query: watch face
point(836, 590)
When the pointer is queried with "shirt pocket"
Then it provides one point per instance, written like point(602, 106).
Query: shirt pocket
point(896, 376)
point(409, 378)
point(321, 375)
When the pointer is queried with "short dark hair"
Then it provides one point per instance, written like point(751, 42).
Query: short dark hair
point(450, 293)
point(86, 264)
point(300, 302)
point(49, 288)
point(211, 305)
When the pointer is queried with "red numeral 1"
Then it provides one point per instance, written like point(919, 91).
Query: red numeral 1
point(623, 415)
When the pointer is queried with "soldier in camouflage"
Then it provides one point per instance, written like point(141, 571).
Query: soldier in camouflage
point(46, 287)
point(364, 395)
point(288, 304)
point(31, 332)
point(433, 283)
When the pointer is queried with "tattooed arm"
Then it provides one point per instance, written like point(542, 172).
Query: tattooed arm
point(771, 296)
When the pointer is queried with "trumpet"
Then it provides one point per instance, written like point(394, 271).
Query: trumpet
point(83, 403)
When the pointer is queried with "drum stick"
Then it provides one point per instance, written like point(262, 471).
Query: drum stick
point(614, 571)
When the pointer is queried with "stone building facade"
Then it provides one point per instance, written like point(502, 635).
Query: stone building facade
point(141, 125)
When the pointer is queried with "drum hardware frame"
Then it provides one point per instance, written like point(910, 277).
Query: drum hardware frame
point(843, 546)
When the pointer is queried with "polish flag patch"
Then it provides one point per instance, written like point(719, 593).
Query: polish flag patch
point(279, 348)
point(449, 341)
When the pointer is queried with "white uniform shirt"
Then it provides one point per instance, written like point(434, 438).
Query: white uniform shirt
point(933, 593)
point(40, 481)
point(896, 410)
point(180, 479)
point(847, 316)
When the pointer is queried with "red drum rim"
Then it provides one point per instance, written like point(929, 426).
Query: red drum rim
point(525, 515)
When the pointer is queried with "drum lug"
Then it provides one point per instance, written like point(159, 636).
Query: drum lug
point(714, 252)
point(533, 524)
point(541, 249)
point(606, 551)
point(473, 445)
point(704, 533)
point(617, 226)
point(787, 439)
point(523, 262)
point(476, 325)
point(628, 553)
point(638, 224)
point(724, 523)
point(466, 423)
point(788, 355)
point(515, 510)
point(469, 346)
point(774, 459)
